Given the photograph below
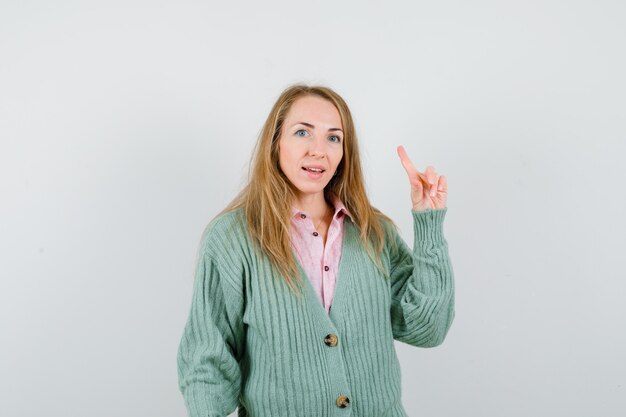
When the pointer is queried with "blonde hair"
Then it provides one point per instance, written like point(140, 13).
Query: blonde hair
point(266, 199)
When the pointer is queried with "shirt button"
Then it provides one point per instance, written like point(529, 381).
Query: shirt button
point(326, 268)
point(331, 340)
point(303, 216)
point(342, 401)
point(315, 233)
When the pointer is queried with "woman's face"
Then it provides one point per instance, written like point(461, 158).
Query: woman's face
point(311, 137)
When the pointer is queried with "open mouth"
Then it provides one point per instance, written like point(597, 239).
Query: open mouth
point(316, 170)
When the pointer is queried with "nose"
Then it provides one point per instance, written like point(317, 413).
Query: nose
point(317, 147)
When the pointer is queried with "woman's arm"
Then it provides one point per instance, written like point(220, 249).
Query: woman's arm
point(213, 339)
point(422, 282)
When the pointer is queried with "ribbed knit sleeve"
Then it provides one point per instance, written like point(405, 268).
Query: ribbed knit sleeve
point(422, 283)
point(213, 338)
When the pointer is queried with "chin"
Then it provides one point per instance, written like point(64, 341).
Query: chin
point(310, 190)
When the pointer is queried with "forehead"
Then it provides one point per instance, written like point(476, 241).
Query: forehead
point(315, 110)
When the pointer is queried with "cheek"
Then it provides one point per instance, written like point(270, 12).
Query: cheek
point(290, 152)
point(281, 151)
point(338, 158)
point(285, 157)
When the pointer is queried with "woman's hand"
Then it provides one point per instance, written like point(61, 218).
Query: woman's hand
point(428, 189)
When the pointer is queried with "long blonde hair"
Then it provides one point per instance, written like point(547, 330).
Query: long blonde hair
point(267, 198)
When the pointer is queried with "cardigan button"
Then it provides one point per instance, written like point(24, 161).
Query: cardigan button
point(315, 233)
point(331, 340)
point(342, 401)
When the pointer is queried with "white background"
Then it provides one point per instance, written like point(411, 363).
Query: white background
point(125, 126)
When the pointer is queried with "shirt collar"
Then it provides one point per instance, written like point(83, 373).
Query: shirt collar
point(340, 208)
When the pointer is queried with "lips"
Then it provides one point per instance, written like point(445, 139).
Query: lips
point(314, 168)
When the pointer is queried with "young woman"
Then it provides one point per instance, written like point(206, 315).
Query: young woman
point(302, 286)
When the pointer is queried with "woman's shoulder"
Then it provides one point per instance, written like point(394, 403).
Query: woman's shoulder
point(226, 219)
point(224, 230)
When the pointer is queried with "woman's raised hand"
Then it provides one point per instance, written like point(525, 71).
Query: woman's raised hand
point(428, 189)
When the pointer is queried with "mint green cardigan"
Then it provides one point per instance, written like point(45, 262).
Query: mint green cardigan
point(250, 343)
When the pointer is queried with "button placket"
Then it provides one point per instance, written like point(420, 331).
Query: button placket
point(336, 365)
point(331, 340)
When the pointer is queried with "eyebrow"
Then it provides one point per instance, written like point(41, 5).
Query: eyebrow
point(313, 127)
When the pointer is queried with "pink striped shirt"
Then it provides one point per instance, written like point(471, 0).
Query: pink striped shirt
point(320, 263)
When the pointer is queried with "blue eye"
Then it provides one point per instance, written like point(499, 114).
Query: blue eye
point(334, 138)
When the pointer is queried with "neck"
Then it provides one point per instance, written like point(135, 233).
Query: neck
point(314, 205)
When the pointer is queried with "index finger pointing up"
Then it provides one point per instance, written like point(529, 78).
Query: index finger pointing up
point(406, 162)
point(411, 171)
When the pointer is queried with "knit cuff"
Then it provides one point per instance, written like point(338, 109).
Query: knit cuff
point(428, 224)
